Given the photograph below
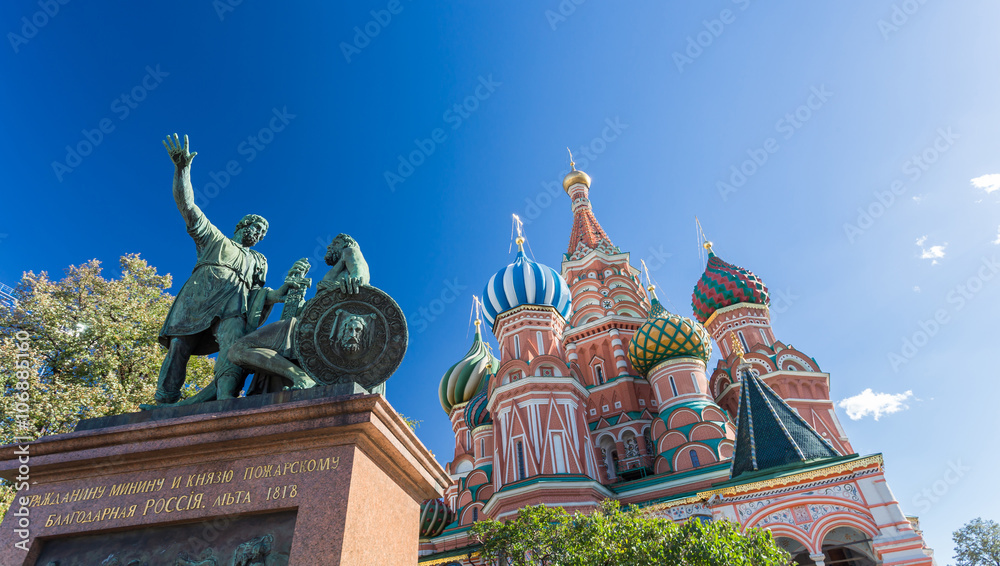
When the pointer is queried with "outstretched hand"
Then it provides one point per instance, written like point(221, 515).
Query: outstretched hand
point(180, 155)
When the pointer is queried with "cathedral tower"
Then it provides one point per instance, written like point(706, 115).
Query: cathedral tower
point(609, 306)
point(538, 409)
point(731, 300)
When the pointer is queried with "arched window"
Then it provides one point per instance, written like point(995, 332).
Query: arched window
point(557, 453)
point(743, 341)
point(517, 347)
point(694, 458)
point(475, 514)
point(482, 447)
point(599, 374)
point(694, 380)
point(673, 386)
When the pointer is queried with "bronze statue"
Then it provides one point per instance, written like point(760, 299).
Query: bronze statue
point(348, 268)
point(223, 300)
point(268, 351)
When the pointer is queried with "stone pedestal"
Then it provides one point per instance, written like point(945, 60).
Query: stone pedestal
point(331, 481)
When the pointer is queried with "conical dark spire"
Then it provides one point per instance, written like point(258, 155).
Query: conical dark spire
point(770, 434)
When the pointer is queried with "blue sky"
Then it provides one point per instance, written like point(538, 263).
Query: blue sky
point(874, 117)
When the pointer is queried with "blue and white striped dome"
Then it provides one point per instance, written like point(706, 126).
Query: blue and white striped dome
point(525, 282)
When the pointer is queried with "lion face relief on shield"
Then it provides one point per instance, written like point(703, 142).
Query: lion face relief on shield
point(351, 335)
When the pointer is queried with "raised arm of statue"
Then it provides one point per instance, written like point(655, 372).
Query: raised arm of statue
point(183, 192)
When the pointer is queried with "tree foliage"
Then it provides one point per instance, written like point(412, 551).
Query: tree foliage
point(91, 349)
point(611, 536)
point(977, 543)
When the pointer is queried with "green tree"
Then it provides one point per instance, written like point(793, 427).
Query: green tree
point(88, 347)
point(978, 543)
point(611, 536)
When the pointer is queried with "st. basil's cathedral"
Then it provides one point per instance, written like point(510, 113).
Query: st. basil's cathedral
point(599, 392)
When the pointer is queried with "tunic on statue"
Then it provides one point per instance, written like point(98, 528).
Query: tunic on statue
point(227, 281)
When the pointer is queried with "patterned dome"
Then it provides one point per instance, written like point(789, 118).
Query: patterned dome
point(724, 284)
point(434, 517)
point(525, 282)
point(468, 375)
point(665, 336)
point(476, 414)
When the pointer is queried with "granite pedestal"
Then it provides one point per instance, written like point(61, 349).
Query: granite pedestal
point(314, 481)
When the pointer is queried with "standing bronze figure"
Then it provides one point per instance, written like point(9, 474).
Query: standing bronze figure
point(223, 300)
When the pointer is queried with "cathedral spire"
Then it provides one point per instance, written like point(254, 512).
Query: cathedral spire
point(587, 234)
point(770, 434)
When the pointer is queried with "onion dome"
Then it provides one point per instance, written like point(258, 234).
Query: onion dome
point(476, 413)
point(665, 336)
point(724, 284)
point(434, 517)
point(574, 177)
point(464, 379)
point(525, 282)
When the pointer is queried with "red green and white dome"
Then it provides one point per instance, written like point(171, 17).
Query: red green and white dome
point(434, 517)
point(476, 413)
point(665, 336)
point(463, 380)
point(724, 284)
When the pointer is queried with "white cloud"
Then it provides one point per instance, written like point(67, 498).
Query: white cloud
point(988, 183)
point(932, 253)
point(916, 289)
point(917, 199)
point(997, 241)
point(874, 404)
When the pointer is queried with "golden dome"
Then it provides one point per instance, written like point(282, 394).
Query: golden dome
point(575, 177)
